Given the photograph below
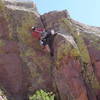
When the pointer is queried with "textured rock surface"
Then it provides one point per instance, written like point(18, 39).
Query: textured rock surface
point(79, 67)
point(74, 71)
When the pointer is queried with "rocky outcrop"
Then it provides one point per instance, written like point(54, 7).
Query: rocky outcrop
point(51, 20)
point(72, 73)
point(77, 66)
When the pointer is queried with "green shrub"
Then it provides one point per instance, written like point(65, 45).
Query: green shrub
point(2, 95)
point(42, 95)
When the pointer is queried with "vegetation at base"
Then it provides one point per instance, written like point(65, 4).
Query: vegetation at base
point(42, 95)
point(2, 95)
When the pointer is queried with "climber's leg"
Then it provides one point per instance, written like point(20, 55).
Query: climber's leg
point(45, 46)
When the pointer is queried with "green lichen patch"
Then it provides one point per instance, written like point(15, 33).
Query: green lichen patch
point(94, 40)
point(78, 39)
point(75, 52)
point(2, 43)
point(62, 51)
point(90, 77)
point(35, 61)
point(10, 31)
point(1, 5)
point(83, 49)
point(82, 52)
point(23, 31)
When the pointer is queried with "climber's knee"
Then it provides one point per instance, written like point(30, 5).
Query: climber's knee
point(47, 48)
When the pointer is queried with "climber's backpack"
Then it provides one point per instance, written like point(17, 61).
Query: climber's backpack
point(37, 33)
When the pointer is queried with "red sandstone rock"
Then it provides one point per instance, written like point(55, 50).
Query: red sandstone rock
point(25, 68)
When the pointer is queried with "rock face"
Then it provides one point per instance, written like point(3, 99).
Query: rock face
point(73, 72)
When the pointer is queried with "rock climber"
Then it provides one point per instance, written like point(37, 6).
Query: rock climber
point(45, 37)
